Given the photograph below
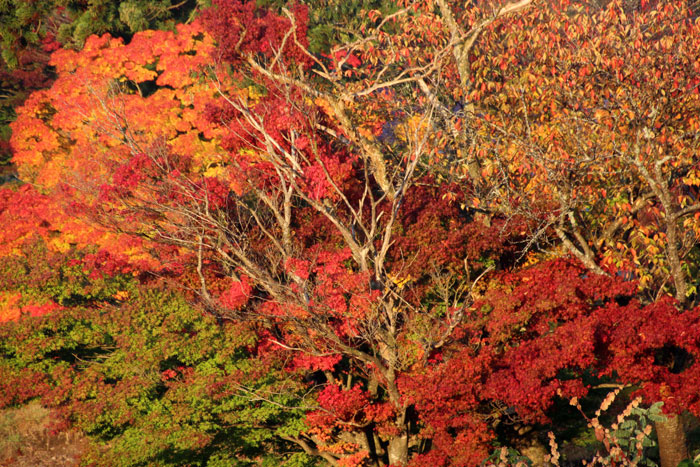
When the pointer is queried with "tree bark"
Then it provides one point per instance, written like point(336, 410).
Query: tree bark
point(672, 442)
point(398, 450)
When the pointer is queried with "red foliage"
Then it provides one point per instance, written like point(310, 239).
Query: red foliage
point(103, 263)
point(303, 361)
point(40, 310)
point(658, 345)
point(129, 174)
point(447, 399)
point(237, 295)
point(241, 28)
point(372, 283)
point(339, 406)
point(539, 321)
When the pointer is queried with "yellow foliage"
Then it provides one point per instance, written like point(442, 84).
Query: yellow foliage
point(9, 306)
point(400, 282)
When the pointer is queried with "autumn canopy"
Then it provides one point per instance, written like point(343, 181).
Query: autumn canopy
point(364, 233)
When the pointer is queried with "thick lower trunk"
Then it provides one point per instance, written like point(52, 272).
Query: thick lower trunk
point(672, 442)
point(398, 450)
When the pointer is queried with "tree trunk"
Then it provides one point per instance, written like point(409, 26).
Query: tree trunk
point(672, 443)
point(398, 450)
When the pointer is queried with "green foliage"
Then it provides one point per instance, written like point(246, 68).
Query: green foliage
point(153, 369)
point(147, 366)
point(506, 456)
point(690, 462)
point(333, 22)
point(633, 434)
point(339, 21)
point(25, 23)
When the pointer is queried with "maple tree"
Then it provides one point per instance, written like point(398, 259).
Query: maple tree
point(538, 324)
point(381, 222)
point(262, 223)
point(31, 30)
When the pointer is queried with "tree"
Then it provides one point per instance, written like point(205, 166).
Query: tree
point(622, 195)
point(70, 23)
point(31, 31)
point(604, 118)
point(287, 234)
point(125, 362)
point(543, 331)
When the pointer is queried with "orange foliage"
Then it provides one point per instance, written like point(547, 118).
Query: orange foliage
point(28, 215)
point(77, 129)
point(110, 101)
point(9, 310)
point(589, 124)
point(13, 307)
